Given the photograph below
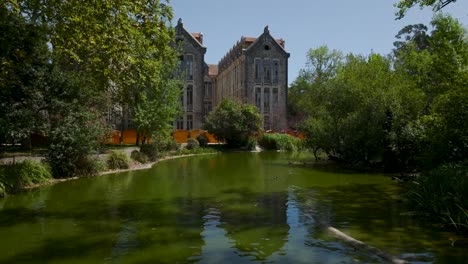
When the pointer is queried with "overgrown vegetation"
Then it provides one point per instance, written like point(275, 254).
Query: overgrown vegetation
point(14, 177)
point(282, 142)
point(118, 160)
point(442, 194)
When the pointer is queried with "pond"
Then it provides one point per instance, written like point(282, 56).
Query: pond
point(223, 208)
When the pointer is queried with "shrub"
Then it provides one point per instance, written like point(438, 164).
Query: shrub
point(443, 193)
point(203, 140)
point(23, 174)
point(234, 123)
point(118, 160)
point(150, 150)
point(283, 142)
point(139, 156)
point(73, 139)
point(192, 143)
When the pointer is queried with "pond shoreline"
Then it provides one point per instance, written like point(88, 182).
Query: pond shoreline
point(133, 167)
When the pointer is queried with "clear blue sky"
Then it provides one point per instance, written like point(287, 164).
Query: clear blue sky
point(358, 26)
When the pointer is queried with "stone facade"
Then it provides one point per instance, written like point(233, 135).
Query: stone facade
point(193, 69)
point(254, 71)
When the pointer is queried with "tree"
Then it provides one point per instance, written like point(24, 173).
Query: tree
point(122, 47)
point(68, 62)
point(439, 69)
point(404, 5)
point(234, 123)
point(306, 92)
point(362, 111)
point(23, 72)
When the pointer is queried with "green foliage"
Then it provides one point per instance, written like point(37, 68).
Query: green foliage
point(192, 143)
point(65, 62)
point(71, 143)
point(443, 194)
point(23, 76)
point(203, 140)
point(438, 62)
point(404, 5)
point(234, 123)
point(23, 174)
point(139, 156)
point(282, 142)
point(359, 113)
point(150, 150)
point(306, 92)
point(165, 143)
point(118, 160)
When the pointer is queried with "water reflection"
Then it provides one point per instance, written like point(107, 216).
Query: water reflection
point(230, 208)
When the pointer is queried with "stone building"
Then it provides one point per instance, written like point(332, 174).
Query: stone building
point(195, 71)
point(254, 71)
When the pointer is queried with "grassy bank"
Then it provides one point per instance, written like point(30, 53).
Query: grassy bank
point(18, 176)
point(14, 177)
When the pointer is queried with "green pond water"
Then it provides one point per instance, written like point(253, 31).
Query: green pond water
point(224, 208)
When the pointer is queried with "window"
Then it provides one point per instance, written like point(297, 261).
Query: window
point(258, 98)
point(266, 100)
point(258, 67)
point(189, 98)
point(266, 71)
point(189, 67)
point(275, 71)
point(275, 99)
point(180, 123)
point(208, 90)
point(207, 107)
point(189, 122)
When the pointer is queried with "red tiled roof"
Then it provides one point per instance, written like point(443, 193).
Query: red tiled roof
point(212, 69)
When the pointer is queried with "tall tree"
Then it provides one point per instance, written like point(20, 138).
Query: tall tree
point(404, 5)
point(438, 63)
point(306, 92)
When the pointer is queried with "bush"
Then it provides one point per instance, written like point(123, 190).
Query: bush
point(150, 150)
point(73, 139)
point(19, 175)
point(203, 140)
point(118, 160)
point(88, 166)
point(192, 143)
point(443, 194)
point(165, 143)
point(234, 123)
point(138, 156)
point(282, 142)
